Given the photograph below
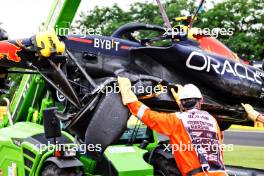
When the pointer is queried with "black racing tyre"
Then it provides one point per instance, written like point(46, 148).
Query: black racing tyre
point(164, 167)
point(54, 170)
point(110, 116)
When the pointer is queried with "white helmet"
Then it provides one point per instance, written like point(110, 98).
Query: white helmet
point(189, 91)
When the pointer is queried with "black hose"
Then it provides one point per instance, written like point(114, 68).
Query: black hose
point(89, 79)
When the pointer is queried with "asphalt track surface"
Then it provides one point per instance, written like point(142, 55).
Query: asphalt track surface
point(246, 138)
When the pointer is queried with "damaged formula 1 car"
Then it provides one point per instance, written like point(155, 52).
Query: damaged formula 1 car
point(80, 79)
point(92, 63)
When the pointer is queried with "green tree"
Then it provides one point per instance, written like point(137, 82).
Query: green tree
point(246, 18)
point(105, 18)
point(111, 18)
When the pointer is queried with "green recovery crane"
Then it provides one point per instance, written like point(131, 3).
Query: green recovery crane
point(26, 105)
point(31, 99)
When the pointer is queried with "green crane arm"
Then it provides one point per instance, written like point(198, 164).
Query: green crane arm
point(28, 94)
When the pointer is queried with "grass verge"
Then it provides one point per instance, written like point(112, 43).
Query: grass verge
point(245, 128)
point(245, 156)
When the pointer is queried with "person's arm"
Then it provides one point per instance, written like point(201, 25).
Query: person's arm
point(253, 114)
point(260, 118)
point(164, 123)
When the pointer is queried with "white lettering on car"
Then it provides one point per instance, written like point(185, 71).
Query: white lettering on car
point(227, 68)
point(260, 73)
point(193, 66)
point(208, 63)
point(215, 65)
point(106, 44)
point(237, 65)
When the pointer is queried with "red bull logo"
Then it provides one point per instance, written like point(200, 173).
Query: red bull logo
point(9, 51)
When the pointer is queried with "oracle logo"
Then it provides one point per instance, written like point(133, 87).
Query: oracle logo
point(208, 63)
